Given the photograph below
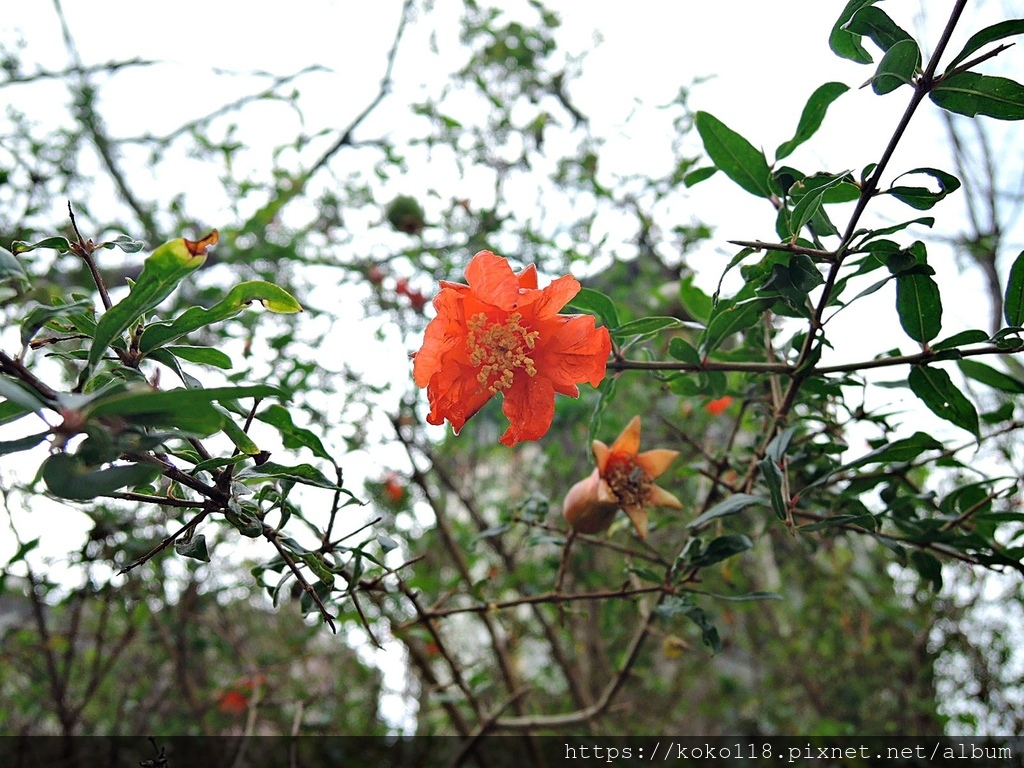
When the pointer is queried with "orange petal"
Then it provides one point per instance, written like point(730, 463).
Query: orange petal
point(547, 302)
point(601, 454)
point(572, 350)
point(528, 278)
point(638, 516)
point(628, 440)
point(654, 463)
point(492, 281)
point(529, 406)
point(659, 497)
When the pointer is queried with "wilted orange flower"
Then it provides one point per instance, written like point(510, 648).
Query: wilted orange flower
point(718, 407)
point(624, 479)
point(502, 334)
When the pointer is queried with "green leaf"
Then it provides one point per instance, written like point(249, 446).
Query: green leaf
point(936, 390)
point(202, 356)
point(242, 441)
point(735, 503)
point(23, 443)
point(681, 349)
point(845, 43)
point(808, 194)
point(730, 319)
point(19, 394)
point(928, 568)
point(812, 116)
point(161, 273)
point(697, 176)
point(194, 548)
point(67, 477)
point(923, 198)
point(989, 376)
point(988, 35)
point(876, 24)
point(919, 306)
point(736, 157)
point(1013, 301)
point(11, 268)
point(720, 548)
point(899, 452)
point(590, 300)
point(773, 479)
point(190, 410)
point(960, 339)
point(897, 67)
point(971, 94)
point(273, 298)
point(125, 243)
point(37, 317)
point(646, 326)
point(293, 436)
point(301, 473)
point(696, 302)
point(56, 243)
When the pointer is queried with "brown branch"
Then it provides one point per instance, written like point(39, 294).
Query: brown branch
point(607, 695)
point(272, 536)
point(167, 541)
point(760, 245)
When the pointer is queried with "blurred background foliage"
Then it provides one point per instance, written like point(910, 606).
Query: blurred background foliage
point(485, 613)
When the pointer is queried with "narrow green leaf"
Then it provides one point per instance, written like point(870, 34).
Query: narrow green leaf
point(808, 195)
point(897, 67)
point(988, 35)
point(696, 302)
point(23, 443)
point(732, 154)
point(292, 436)
point(1013, 300)
point(125, 243)
point(68, 478)
point(194, 548)
point(242, 441)
point(202, 356)
point(272, 297)
point(875, 23)
point(681, 349)
point(39, 315)
point(697, 176)
point(721, 548)
point(735, 503)
point(11, 268)
point(306, 474)
point(971, 94)
point(60, 244)
point(161, 273)
point(936, 390)
point(961, 339)
point(590, 300)
point(812, 116)
point(923, 198)
point(728, 320)
point(773, 479)
point(645, 326)
point(845, 43)
point(928, 568)
point(991, 377)
point(919, 306)
point(19, 394)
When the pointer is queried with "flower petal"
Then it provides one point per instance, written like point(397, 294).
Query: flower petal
point(491, 280)
point(601, 454)
point(528, 278)
point(654, 463)
point(628, 440)
point(529, 406)
point(572, 350)
point(659, 497)
point(638, 516)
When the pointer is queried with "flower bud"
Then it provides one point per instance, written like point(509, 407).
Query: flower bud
point(585, 510)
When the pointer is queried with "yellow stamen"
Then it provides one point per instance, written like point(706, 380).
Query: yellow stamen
point(498, 349)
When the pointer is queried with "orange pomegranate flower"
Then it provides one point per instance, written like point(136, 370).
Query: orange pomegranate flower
point(719, 406)
point(502, 334)
point(624, 479)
